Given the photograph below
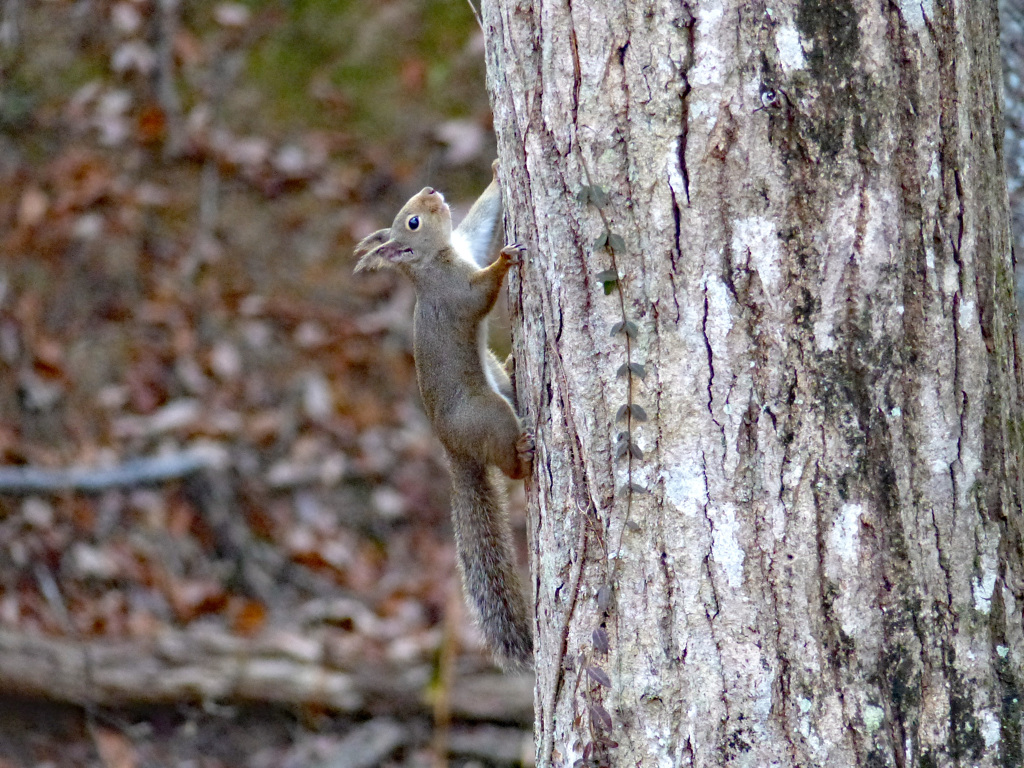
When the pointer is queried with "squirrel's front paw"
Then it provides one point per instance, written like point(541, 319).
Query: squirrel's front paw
point(513, 254)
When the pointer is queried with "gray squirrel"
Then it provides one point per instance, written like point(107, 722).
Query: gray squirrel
point(467, 393)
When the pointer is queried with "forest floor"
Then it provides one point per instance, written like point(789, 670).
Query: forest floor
point(181, 185)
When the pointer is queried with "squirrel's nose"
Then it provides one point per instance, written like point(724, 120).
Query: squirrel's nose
point(430, 190)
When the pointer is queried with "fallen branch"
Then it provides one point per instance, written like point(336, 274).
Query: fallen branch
point(284, 670)
point(136, 472)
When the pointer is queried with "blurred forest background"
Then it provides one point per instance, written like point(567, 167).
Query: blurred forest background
point(181, 184)
point(249, 562)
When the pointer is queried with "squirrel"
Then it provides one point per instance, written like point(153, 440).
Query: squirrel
point(467, 393)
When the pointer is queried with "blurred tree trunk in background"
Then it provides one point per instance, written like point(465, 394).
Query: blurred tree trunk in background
point(766, 333)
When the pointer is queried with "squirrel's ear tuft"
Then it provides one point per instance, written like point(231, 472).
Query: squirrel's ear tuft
point(378, 250)
point(368, 250)
point(370, 242)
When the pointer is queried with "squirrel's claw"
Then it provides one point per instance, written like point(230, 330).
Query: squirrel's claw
point(525, 447)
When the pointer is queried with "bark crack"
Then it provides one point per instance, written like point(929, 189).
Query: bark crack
point(962, 406)
point(711, 529)
point(943, 565)
point(676, 254)
point(711, 364)
point(712, 611)
point(959, 215)
point(684, 131)
point(668, 640)
point(576, 76)
point(684, 118)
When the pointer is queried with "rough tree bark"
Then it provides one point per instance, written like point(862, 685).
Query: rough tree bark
point(820, 559)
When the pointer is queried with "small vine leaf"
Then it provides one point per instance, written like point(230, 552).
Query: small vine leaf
point(621, 450)
point(621, 414)
point(583, 195)
point(635, 452)
point(636, 488)
point(600, 717)
point(604, 597)
point(600, 640)
point(638, 413)
point(609, 287)
point(630, 328)
point(623, 436)
point(601, 240)
point(588, 750)
point(633, 526)
point(618, 327)
point(623, 370)
point(599, 196)
point(607, 275)
point(638, 370)
point(599, 676)
point(616, 242)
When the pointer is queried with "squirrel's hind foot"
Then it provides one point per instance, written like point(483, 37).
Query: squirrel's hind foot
point(525, 448)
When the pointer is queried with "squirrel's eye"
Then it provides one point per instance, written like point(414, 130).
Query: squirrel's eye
point(413, 223)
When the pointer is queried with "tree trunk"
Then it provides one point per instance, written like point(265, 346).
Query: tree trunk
point(777, 468)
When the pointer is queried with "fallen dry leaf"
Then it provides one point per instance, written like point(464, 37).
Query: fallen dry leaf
point(33, 207)
point(115, 750)
point(248, 616)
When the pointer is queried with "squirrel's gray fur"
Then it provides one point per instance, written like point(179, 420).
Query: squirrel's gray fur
point(466, 393)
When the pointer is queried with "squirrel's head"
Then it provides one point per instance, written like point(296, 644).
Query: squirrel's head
point(421, 230)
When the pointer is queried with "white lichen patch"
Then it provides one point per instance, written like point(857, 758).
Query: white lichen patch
point(915, 12)
point(951, 278)
point(844, 536)
point(710, 60)
point(685, 487)
point(791, 51)
point(873, 717)
point(755, 235)
point(836, 259)
point(725, 545)
point(989, 727)
point(712, 63)
point(984, 584)
point(720, 304)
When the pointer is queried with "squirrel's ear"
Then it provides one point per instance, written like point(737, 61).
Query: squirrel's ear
point(370, 242)
point(378, 250)
point(367, 249)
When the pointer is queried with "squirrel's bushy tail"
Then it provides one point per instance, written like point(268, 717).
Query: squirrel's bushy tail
point(487, 561)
